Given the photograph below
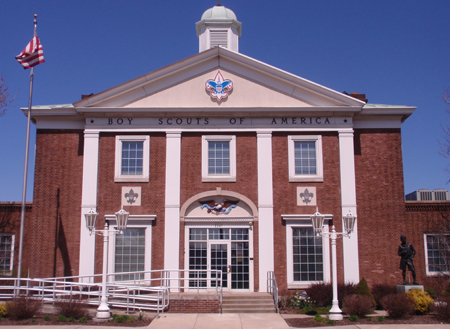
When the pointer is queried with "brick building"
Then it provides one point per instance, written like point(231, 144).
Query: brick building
point(221, 160)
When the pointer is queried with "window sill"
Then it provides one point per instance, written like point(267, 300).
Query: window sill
point(131, 179)
point(301, 285)
point(218, 179)
point(306, 179)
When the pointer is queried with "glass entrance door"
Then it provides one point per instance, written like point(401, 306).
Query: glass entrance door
point(225, 249)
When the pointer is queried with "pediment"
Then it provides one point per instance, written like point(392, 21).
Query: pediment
point(255, 85)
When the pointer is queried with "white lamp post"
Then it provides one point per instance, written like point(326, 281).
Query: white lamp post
point(349, 223)
point(91, 219)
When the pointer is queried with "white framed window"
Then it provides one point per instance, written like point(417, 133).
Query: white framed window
point(305, 158)
point(132, 160)
point(437, 253)
point(218, 158)
point(6, 253)
point(131, 251)
point(308, 259)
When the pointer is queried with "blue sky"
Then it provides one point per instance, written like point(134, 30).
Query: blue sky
point(396, 52)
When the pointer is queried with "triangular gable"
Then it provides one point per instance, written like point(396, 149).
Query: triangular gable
point(255, 84)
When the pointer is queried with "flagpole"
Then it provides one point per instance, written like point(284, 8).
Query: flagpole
point(25, 172)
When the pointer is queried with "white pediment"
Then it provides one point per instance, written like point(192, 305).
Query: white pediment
point(181, 86)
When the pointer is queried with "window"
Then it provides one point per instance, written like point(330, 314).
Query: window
point(219, 158)
point(6, 252)
point(130, 253)
point(132, 158)
point(305, 158)
point(308, 259)
point(437, 253)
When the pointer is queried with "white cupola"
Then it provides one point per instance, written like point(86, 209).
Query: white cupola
point(218, 27)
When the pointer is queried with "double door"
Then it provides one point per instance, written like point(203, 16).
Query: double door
point(224, 249)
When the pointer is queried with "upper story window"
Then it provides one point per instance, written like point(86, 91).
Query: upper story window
point(437, 254)
point(219, 158)
point(132, 158)
point(6, 252)
point(305, 158)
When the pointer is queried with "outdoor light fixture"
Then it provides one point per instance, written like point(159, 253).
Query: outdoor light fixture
point(121, 220)
point(349, 223)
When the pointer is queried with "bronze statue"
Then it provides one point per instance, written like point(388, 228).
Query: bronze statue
point(407, 252)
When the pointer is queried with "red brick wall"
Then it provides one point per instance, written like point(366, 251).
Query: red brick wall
point(153, 192)
point(285, 195)
point(55, 224)
point(194, 304)
point(381, 206)
point(246, 177)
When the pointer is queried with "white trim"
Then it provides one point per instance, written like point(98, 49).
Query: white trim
point(318, 177)
point(206, 177)
point(88, 201)
point(118, 177)
point(305, 222)
point(348, 203)
point(265, 208)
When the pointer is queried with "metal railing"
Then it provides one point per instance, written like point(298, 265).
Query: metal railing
point(272, 288)
point(147, 290)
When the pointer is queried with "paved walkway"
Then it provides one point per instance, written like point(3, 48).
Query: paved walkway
point(256, 321)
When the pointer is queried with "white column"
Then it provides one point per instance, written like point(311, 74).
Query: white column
point(172, 209)
point(348, 203)
point(265, 208)
point(88, 200)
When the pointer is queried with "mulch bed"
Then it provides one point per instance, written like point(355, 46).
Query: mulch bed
point(39, 320)
point(308, 322)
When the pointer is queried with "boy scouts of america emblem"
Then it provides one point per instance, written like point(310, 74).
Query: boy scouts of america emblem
point(219, 87)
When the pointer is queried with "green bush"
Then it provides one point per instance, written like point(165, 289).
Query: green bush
point(422, 301)
point(47, 317)
point(362, 288)
point(431, 292)
point(353, 318)
point(381, 318)
point(61, 318)
point(83, 319)
point(71, 319)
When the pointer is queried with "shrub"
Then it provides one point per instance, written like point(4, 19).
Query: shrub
point(397, 305)
point(359, 305)
point(61, 318)
point(441, 308)
point(3, 312)
point(71, 307)
point(344, 290)
point(447, 290)
point(353, 318)
point(321, 294)
point(422, 301)
point(381, 318)
point(71, 319)
point(23, 307)
point(431, 292)
point(33, 320)
point(362, 288)
point(47, 317)
point(381, 290)
point(83, 319)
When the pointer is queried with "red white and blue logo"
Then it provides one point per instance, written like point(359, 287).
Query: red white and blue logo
point(219, 87)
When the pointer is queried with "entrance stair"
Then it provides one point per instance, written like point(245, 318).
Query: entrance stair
point(256, 302)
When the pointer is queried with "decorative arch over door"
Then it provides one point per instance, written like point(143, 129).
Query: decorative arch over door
point(218, 228)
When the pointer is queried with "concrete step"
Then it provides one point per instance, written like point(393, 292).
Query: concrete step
point(248, 303)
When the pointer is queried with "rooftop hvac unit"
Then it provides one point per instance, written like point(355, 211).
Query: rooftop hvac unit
point(428, 195)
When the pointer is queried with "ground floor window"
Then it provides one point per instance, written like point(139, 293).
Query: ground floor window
point(224, 249)
point(130, 253)
point(307, 255)
point(437, 253)
point(6, 252)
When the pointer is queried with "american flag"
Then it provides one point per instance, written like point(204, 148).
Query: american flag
point(32, 55)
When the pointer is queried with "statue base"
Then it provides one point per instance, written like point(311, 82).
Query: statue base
point(402, 288)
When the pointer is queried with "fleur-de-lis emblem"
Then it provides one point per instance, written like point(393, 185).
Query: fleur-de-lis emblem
point(131, 196)
point(219, 87)
point(306, 196)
